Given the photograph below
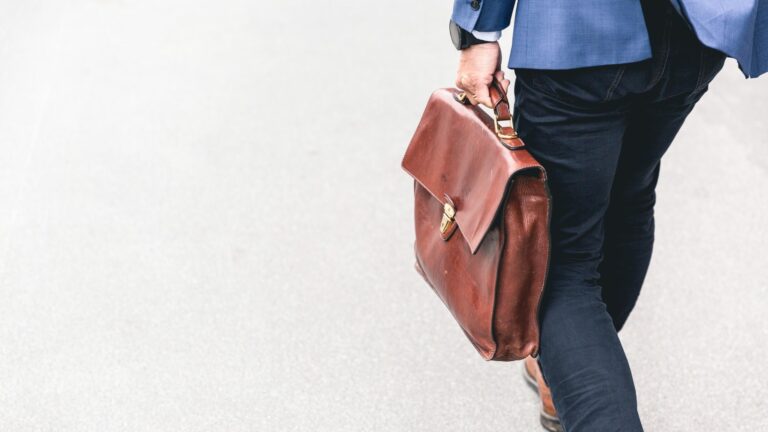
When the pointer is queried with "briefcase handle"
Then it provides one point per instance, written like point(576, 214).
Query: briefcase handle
point(501, 113)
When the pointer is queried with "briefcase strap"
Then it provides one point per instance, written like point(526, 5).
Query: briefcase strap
point(501, 113)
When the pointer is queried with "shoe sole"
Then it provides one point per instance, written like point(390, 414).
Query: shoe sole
point(549, 423)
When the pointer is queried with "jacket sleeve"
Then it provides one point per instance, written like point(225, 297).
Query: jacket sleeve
point(482, 15)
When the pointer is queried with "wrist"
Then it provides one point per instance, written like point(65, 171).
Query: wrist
point(463, 39)
point(481, 49)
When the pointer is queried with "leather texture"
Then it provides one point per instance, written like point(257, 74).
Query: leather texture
point(491, 268)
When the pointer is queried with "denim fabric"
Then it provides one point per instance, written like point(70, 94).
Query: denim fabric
point(567, 34)
point(601, 132)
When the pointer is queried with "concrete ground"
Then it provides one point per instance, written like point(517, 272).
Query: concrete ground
point(205, 227)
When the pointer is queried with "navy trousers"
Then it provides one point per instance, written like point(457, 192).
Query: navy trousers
point(601, 132)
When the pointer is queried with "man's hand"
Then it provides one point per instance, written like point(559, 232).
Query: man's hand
point(478, 65)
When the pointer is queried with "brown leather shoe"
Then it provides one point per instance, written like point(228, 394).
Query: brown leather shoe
point(533, 377)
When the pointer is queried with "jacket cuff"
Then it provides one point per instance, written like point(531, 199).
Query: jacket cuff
point(482, 15)
point(491, 36)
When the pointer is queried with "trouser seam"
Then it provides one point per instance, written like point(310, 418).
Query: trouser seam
point(615, 83)
point(665, 54)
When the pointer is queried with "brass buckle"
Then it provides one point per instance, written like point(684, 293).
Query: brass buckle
point(499, 129)
point(449, 214)
point(462, 98)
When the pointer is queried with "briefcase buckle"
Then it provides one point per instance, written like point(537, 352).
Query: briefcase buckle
point(448, 220)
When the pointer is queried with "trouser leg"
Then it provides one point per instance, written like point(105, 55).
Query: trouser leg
point(629, 220)
point(665, 91)
point(578, 139)
point(600, 132)
point(603, 163)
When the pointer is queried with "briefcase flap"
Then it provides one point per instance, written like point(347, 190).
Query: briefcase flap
point(455, 152)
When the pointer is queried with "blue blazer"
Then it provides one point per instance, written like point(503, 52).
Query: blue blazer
point(566, 34)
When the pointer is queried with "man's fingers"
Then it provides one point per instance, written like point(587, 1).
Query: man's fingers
point(483, 96)
point(476, 89)
point(505, 85)
point(470, 86)
point(499, 75)
point(461, 84)
point(477, 67)
point(467, 83)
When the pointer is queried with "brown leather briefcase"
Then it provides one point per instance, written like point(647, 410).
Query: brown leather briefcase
point(482, 211)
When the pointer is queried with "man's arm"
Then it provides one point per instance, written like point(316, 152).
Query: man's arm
point(479, 64)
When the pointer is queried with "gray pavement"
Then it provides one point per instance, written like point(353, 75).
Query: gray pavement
point(204, 227)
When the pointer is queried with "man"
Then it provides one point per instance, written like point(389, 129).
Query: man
point(602, 88)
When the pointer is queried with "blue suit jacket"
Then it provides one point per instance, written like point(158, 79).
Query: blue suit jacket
point(566, 34)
